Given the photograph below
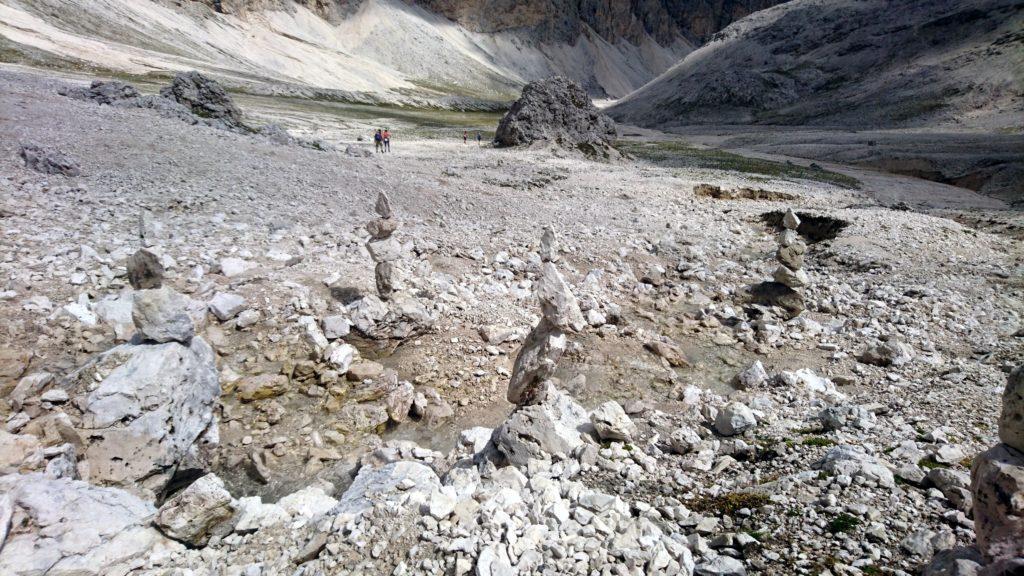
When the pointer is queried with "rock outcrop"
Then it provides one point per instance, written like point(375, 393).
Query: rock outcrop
point(48, 161)
point(876, 63)
point(205, 98)
point(556, 111)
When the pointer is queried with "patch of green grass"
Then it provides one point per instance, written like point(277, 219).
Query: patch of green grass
point(871, 570)
point(930, 463)
point(731, 502)
point(758, 535)
point(818, 441)
point(843, 523)
point(680, 155)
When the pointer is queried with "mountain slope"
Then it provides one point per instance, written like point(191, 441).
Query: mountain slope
point(855, 63)
point(377, 50)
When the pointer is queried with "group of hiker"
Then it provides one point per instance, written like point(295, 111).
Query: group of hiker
point(382, 140)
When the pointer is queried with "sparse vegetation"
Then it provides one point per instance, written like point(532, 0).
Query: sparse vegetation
point(731, 502)
point(818, 441)
point(681, 155)
point(843, 523)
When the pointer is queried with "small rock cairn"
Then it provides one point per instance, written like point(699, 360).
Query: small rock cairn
point(383, 248)
point(791, 254)
point(537, 359)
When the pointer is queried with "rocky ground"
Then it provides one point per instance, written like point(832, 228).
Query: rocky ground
point(694, 428)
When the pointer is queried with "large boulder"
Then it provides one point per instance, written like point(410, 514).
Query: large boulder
point(997, 482)
point(539, 431)
point(70, 527)
point(556, 111)
point(147, 407)
point(205, 97)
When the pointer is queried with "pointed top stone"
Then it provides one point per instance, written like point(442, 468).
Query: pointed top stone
point(383, 206)
point(557, 302)
point(548, 245)
point(791, 221)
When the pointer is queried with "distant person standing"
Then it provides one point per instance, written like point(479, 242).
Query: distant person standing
point(387, 140)
point(465, 136)
point(479, 139)
point(378, 141)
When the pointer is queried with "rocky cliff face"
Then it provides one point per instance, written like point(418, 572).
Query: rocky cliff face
point(873, 63)
point(565, 20)
point(400, 51)
point(667, 21)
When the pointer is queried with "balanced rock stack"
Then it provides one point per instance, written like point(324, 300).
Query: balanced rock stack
point(538, 358)
point(384, 249)
point(791, 254)
point(997, 481)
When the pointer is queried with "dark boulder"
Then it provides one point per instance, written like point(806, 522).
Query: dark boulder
point(101, 92)
point(48, 161)
point(556, 111)
point(205, 97)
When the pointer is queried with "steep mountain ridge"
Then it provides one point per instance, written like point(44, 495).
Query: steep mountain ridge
point(863, 63)
point(418, 52)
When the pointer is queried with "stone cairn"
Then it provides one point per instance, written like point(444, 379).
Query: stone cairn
point(383, 248)
point(537, 359)
point(791, 254)
point(997, 483)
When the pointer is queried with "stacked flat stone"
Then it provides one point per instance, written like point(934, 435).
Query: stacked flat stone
point(537, 359)
point(997, 483)
point(791, 254)
point(383, 248)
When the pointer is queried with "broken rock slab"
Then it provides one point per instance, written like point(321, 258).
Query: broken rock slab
point(76, 528)
point(226, 305)
point(405, 483)
point(161, 315)
point(200, 511)
point(611, 422)
point(539, 431)
point(149, 406)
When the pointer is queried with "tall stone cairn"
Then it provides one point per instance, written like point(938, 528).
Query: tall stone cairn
point(383, 248)
point(791, 254)
point(997, 483)
point(538, 358)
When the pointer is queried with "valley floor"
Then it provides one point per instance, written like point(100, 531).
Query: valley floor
point(639, 247)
